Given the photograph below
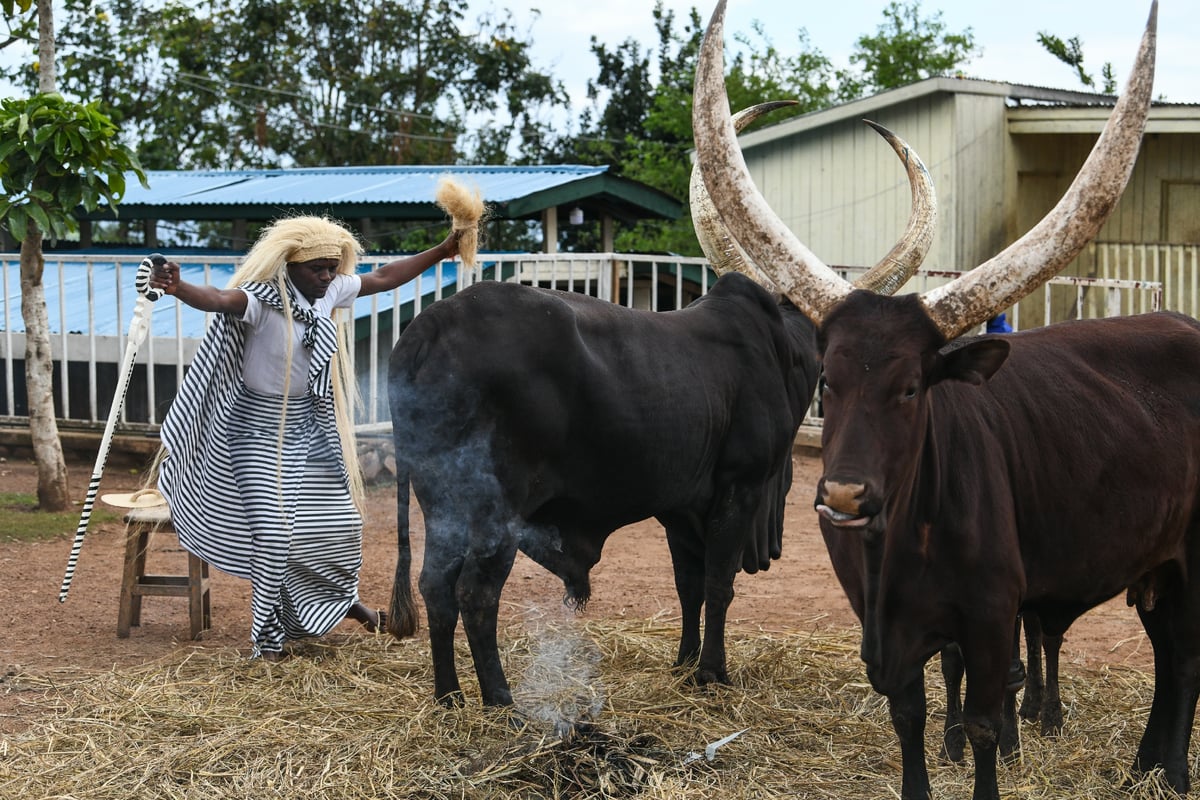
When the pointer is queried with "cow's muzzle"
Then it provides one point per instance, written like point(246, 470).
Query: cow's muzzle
point(844, 504)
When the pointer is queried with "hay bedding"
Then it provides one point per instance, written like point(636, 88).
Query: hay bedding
point(353, 718)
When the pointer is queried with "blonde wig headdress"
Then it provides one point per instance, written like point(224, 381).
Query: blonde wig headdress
point(297, 239)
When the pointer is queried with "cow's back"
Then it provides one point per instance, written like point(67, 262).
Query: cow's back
point(602, 409)
point(1098, 424)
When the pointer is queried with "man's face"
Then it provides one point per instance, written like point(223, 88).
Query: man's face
point(313, 277)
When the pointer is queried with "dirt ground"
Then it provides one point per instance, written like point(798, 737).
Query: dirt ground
point(632, 581)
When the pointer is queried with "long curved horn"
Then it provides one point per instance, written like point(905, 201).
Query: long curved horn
point(719, 247)
point(810, 284)
point(905, 257)
point(1055, 241)
point(886, 277)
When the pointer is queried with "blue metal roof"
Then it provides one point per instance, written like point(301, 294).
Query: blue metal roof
point(387, 192)
point(111, 310)
point(373, 185)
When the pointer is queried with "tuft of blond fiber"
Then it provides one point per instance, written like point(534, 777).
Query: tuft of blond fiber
point(467, 211)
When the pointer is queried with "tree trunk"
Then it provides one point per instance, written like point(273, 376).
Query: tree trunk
point(47, 73)
point(53, 492)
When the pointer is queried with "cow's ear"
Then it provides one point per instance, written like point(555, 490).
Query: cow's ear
point(973, 362)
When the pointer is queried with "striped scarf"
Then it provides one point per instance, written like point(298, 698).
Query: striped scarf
point(214, 379)
point(320, 333)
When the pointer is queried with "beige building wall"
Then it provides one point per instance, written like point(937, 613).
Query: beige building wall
point(845, 193)
point(1160, 205)
point(997, 169)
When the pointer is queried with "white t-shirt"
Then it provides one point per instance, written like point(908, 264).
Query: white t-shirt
point(263, 367)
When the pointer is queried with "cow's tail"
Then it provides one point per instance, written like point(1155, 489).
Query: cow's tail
point(402, 613)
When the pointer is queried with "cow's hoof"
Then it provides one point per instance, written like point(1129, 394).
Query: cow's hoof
point(954, 745)
point(706, 677)
point(451, 699)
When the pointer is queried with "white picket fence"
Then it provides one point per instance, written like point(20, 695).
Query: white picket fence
point(90, 302)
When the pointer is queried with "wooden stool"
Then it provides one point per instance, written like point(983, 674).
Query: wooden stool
point(142, 523)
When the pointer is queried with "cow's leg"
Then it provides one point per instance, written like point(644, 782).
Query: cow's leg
point(687, 561)
point(1052, 711)
point(1167, 738)
point(445, 547)
point(480, 582)
point(718, 594)
point(1031, 703)
point(722, 558)
point(988, 663)
point(1187, 677)
point(1152, 749)
point(907, 710)
point(1010, 735)
point(954, 739)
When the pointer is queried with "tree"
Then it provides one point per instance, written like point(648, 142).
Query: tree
point(22, 24)
point(644, 126)
point(276, 83)
point(54, 157)
point(905, 49)
point(266, 83)
point(1070, 53)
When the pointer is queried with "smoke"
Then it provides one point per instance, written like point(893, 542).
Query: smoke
point(444, 438)
point(561, 686)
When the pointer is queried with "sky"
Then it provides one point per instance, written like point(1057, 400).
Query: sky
point(1005, 31)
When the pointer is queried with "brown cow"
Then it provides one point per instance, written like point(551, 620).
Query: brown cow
point(1042, 471)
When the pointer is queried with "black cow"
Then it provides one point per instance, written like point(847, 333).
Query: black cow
point(1043, 471)
point(543, 421)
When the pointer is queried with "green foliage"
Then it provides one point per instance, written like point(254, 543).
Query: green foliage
point(644, 129)
point(20, 12)
point(760, 72)
point(21, 521)
point(21, 17)
point(905, 49)
point(55, 157)
point(266, 83)
point(1070, 52)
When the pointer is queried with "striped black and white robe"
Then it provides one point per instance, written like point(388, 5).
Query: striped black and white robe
point(274, 510)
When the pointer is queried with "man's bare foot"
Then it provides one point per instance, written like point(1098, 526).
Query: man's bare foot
point(374, 621)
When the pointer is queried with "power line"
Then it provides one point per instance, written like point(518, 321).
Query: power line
point(302, 96)
point(314, 123)
point(225, 83)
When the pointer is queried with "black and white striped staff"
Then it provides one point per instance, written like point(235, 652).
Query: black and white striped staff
point(137, 332)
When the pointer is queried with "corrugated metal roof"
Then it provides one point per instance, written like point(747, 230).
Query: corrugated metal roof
point(68, 288)
point(371, 185)
point(386, 192)
point(1164, 117)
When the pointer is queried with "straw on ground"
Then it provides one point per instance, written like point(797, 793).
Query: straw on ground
point(354, 718)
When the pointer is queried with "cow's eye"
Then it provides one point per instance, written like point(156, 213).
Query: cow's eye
point(910, 393)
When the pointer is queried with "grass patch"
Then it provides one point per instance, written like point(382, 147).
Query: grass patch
point(21, 521)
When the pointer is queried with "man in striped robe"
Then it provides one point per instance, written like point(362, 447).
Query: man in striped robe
point(259, 465)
